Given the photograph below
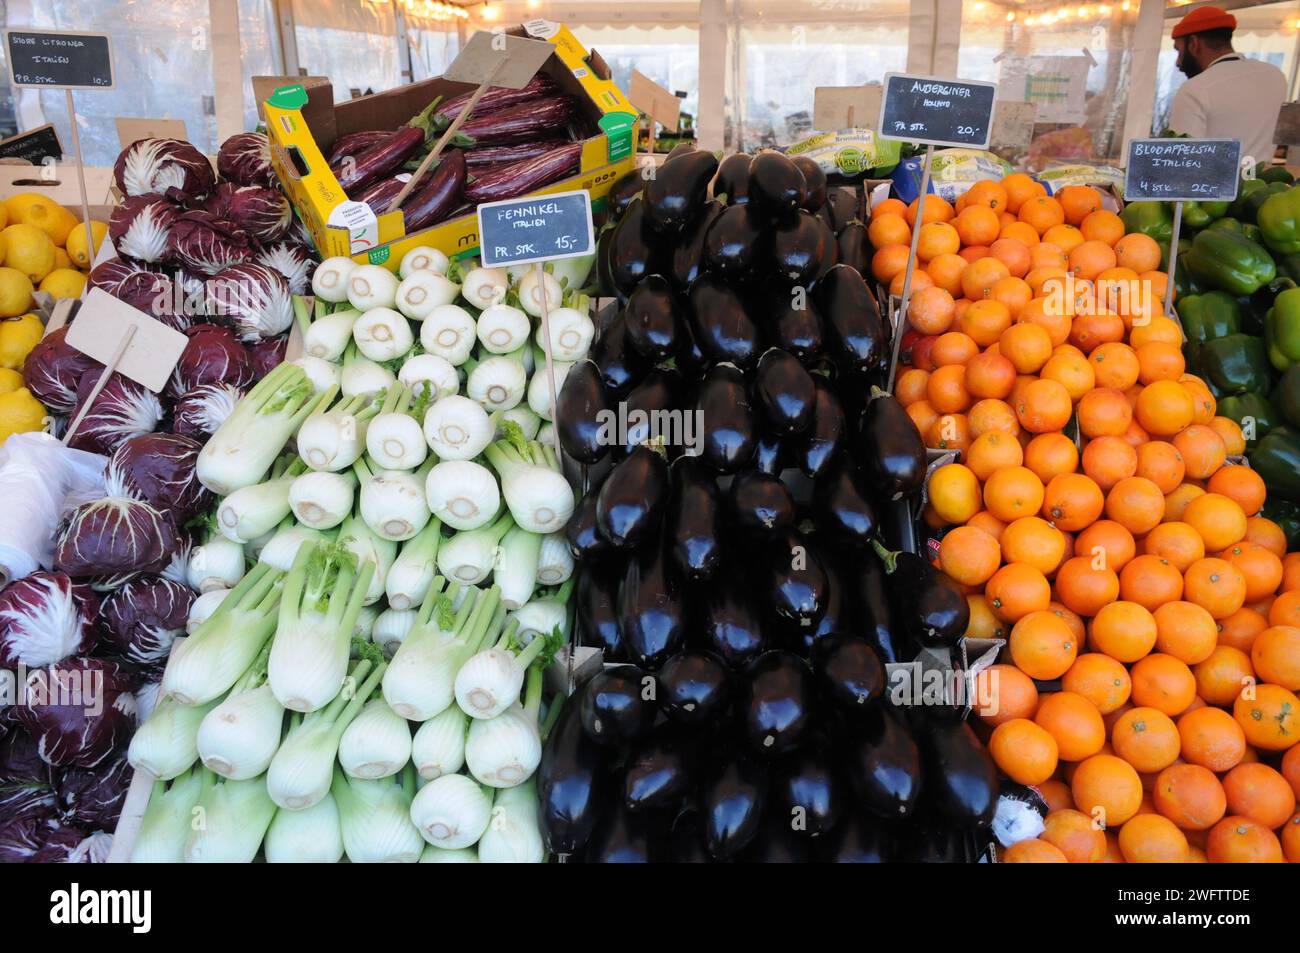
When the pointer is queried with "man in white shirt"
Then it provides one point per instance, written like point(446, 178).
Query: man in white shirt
point(1226, 96)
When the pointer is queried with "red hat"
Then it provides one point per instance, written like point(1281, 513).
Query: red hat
point(1205, 18)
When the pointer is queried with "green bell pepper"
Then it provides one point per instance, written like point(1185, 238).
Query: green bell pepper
point(1279, 220)
point(1198, 215)
point(1254, 414)
point(1274, 173)
point(1277, 459)
point(1153, 219)
point(1235, 364)
point(1287, 516)
point(1279, 360)
point(1184, 283)
point(1288, 266)
point(1227, 224)
point(1249, 212)
point(1285, 324)
point(1248, 188)
point(1207, 316)
point(1222, 259)
point(1287, 395)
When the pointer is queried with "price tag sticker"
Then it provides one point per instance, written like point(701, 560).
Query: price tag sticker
point(937, 112)
point(1182, 170)
point(55, 60)
point(536, 228)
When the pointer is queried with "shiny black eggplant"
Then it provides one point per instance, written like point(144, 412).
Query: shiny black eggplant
point(827, 436)
point(722, 324)
point(855, 334)
point(733, 800)
point(933, 841)
point(776, 843)
point(660, 772)
point(732, 624)
point(849, 674)
point(855, 247)
point(770, 454)
point(884, 764)
point(796, 584)
point(890, 449)
point(679, 150)
point(844, 503)
point(844, 204)
point(651, 319)
point(632, 498)
point(688, 248)
point(694, 689)
point(621, 838)
point(873, 609)
point(689, 358)
point(777, 702)
point(624, 191)
point(785, 392)
point(573, 785)
point(686, 840)
point(730, 432)
point(931, 605)
point(651, 614)
point(678, 190)
point(814, 183)
point(860, 840)
point(734, 243)
point(797, 248)
point(620, 366)
point(776, 186)
point(633, 252)
point(582, 407)
point(582, 533)
point(961, 782)
point(759, 503)
point(694, 520)
point(810, 793)
point(614, 708)
point(799, 330)
point(660, 390)
point(596, 595)
point(838, 615)
point(732, 179)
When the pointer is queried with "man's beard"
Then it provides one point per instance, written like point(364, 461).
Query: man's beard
point(1190, 67)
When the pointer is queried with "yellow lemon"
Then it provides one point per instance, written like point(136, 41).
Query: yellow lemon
point(64, 283)
point(77, 243)
point(61, 260)
point(49, 216)
point(29, 250)
point(17, 338)
point(4, 215)
point(10, 380)
point(15, 293)
point(20, 412)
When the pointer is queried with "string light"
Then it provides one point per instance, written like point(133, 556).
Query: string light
point(434, 10)
point(489, 12)
point(1011, 17)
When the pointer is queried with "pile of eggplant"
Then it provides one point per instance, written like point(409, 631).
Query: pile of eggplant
point(733, 546)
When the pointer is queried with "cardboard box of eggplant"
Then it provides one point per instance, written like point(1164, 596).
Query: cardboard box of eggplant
point(304, 124)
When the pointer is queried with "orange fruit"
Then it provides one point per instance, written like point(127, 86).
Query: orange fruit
point(993, 451)
point(1065, 237)
point(1211, 738)
point(1290, 836)
point(1146, 738)
point(1044, 406)
point(1239, 840)
point(945, 271)
point(1090, 258)
point(977, 225)
point(1138, 252)
point(1049, 455)
point(1162, 464)
point(990, 375)
point(1222, 674)
point(984, 321)
point(1161, 329)
point(937, 238)
point(1275, 656)
point(1184, 631)
point(1190, 796)
point(1072, 371)
point(1105, 411)
point(1164, 683)
point(920, 280)
point(1092, 330)
point(1158, 361)
point(1260, 793)
point(1136, 504)
point(1033, 851)
point(968, 555)
point(980, 276)
point(931, 310)
point(1084, 588)
point(923, 415)
point(1123, 630)
point(1107, 460)
point(1041, 645)
point(1164, 408)
point(1285, 609)
point(888, 261)
point(1229, 432)
point(1046, 255)
point(1151, 582)
point(1264, 532)
point(1112, 542)
point(953, 347)
point(1016, 590)
point(1107, 789)
point(1019, 187)
point(937, 209)
point(1012, 249)
point(1291, 768)
point(1262, 569)
point(1115, 365)
point(946, 389)
point(987, 193)
point(1003, 692)
point(1216, 585)
point(1100, 679)
point(1072, 502)
point(1271, 719)
point(1074, 834)
point(1035, 542)
point(1057, 795)
point(1075, 723)
point(1017, 231)
point(1102, 226)
point(1023, 751)
point(983, 623)
point(1218, 519)
point(991, 415)
point(910, 386)
point(1202, 400)
point(1041, 212)
point(1078, 202)
point(1176, 543)
point(1202, 451)
point(1013, 492)
point(1152, 839)
point(1026, 346)
point(1240, 484)
point(974, 252)
point(1240, 629)
point(954, 492)
point(888, 230)
point(949, 432)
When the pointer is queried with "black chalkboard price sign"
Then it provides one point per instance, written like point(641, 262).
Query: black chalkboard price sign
point(1186, 170)
point(34, 146)
point(937, 112)
point(535, 228)
point(54, 60)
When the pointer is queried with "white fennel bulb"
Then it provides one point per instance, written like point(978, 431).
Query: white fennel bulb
point(330, 280)
point(538, 289)
point(413, 570)
point(457, 428)
point(310, 836)
point(498, 382)
point(436, 855)
point(439, 744)
point(572, 332)
point(165, 745)
point(391, 628)
point(327, 337)
point(502, 328)
point(203, 607)
point(375, 818)
point(239, 737)
point(167, 819)
point(377, 744)
point(489, 682)
point(422, 292)
point(282, 549)
point(462, 494)
point(452, 811)
point(334, 439)
point(437, 371)
point(321, 499)
point(555, 562)
point(513, 835)
point(484, 287)
point(217, 564)
point(423, 258)
point(321, 373)
point(371, 286)
point(539, 390)
point(382, 334)
point(392, 502)
point(504, 751)
point(449, 332)
point(236, 815)
point(362, 376)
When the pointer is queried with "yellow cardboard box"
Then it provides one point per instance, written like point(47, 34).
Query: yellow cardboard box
point(303, 123)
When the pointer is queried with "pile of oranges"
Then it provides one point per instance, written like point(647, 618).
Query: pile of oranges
point(1098, 526)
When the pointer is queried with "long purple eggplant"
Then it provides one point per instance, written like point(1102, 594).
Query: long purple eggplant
point(538, 117)
point(355, 143)
point(438, 195)
point(379, 160)
point(518, 178)
point(490, 156)
point(494, 100)
point(380, 195)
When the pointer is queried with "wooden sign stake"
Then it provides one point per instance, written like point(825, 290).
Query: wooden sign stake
point(911, 266)
point(550, 364)
point(1173, 256)
point(446, 136)
point(127, 334)
point(85, 204)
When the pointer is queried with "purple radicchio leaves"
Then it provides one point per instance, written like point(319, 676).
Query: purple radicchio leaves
point(54, 370)
point(67, 843)
point(263, 213)
point(141, 228)
point(44, 618)
point(293, 261)
point(123, 409)
point(205, 244)
point(143, 617)
point(255, 299)
point(115, 536)
point(212, 355)
point(245, 159)
point(21, 839)
point(198, 413)
point(268, 354)
point(94, 798)
point(161, 165)
point(81, 711)
point(159, 469)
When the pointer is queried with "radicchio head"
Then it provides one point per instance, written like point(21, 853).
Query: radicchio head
point(142, 618)
point(123, 409)
point(54, 370)
point(44, 618)
point(212, 355)
point(94, 798)
point(21, 839)
point(263, 213)
point(293, 261)
point(159, 469)
point(141, 227)
point(20, 800)
point(81, 711)
point(269, 354)
point(115, 536)
point(200, 412)
point(255, 299)
point(245, 159)
point(159, 165)
point(205, 244)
